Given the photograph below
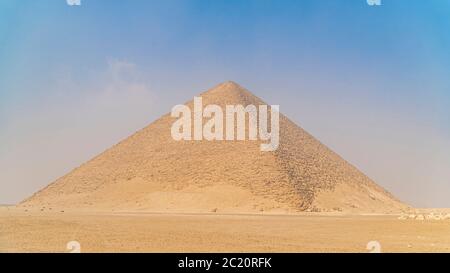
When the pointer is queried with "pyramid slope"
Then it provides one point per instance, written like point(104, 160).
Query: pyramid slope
point(150, 171)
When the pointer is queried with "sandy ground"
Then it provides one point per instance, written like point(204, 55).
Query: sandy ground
point(22, 231)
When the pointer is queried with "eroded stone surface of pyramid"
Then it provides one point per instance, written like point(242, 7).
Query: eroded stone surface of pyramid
point(149, 171)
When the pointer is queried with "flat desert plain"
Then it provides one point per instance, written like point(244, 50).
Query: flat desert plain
point(36, 231)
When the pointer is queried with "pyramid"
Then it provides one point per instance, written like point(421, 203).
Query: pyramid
point(149, 171)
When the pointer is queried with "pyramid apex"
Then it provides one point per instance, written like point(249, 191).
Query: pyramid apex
point(226, 87)
point(229, 85)
point(230, 92)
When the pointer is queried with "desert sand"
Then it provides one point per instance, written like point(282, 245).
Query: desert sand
point(36, 231)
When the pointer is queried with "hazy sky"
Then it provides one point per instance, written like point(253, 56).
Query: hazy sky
point(371, 82)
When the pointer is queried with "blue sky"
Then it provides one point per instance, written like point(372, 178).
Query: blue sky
point(371, 82)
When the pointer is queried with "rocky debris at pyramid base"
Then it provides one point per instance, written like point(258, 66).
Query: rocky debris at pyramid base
point(425, 216)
